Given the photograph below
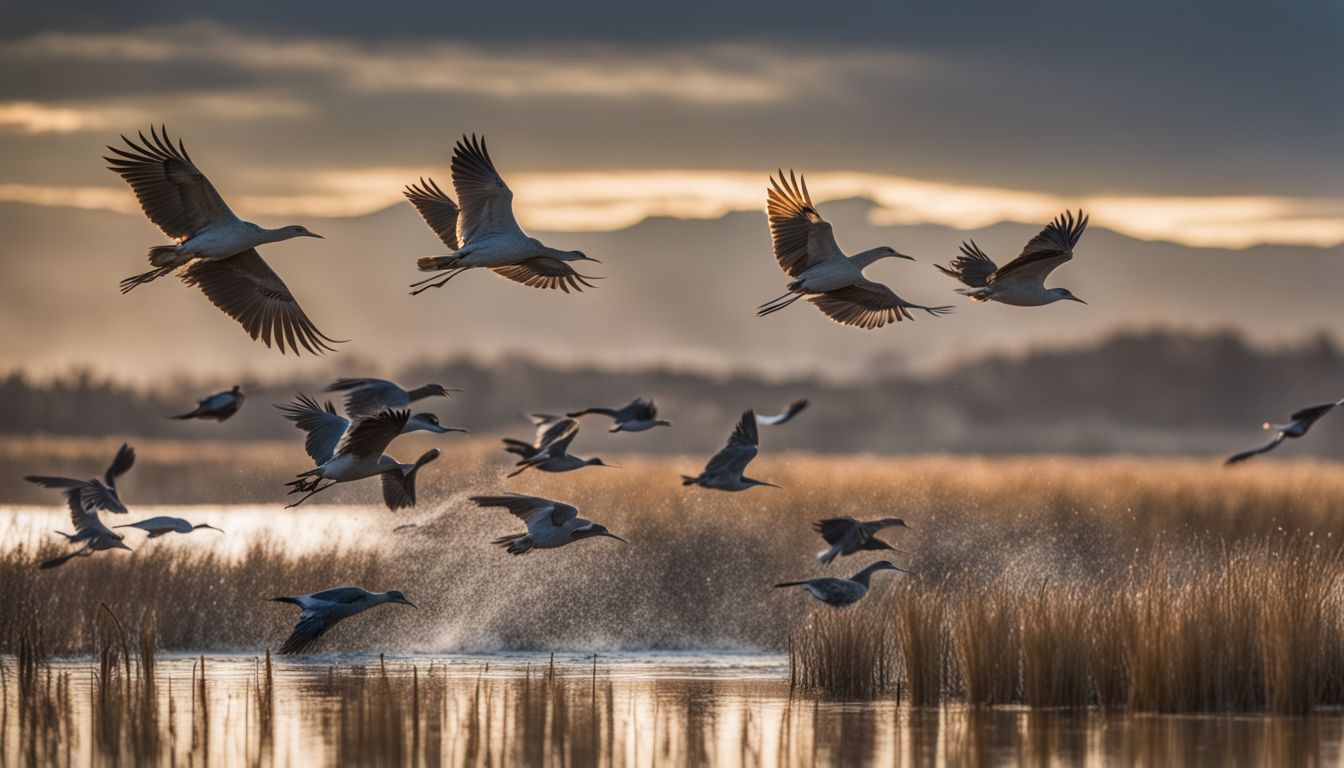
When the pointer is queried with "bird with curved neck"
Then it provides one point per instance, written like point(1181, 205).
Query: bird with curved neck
point(550, 524)
point(367, 396)
point(320, 611)
point(1020, 282)
point(841, 592)
point(163, 524)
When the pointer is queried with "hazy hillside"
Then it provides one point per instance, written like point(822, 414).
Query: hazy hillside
point(676, 292)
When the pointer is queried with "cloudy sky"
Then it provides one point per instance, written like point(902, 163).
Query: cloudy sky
point(1205, 124)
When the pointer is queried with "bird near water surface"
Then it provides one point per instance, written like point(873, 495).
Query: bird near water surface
point(1298, 424)
point(482, 233)
point(1020, 282)
point(163, 524)
point(218, 249)
point(805, 247)
point(321, 611)
point(217, 407)
point(841, 592)
point(550, 524)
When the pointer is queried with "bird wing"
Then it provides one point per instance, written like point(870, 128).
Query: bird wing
point(172, 191)
point(344, 595)
point(551, 428)
point(740, 450)
point(834, 529)
point(369, 437)
point(533, 510)
point(1047, 250)
point(798, 235)
point(544, 272)
point(795, 408)
point(121, 464)
point(868, 305)
point(485, 200)
point(1312, 413)
point(1266, 448)
point(437, 209)
point(248, 290)
point(324, 427)
point(973, 267)
point(560, 436)
point(309, 628)
point(82, 515)
point(638, 410)
point(89, 495)
point(369, 396)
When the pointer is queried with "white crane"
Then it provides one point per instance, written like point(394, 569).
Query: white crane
point(218, 407)
point(321, 611)
point(365, 397)
point(163, 524)
point(841, 592)
point(1298, 424)
point(847, 535)
point(724, 470)
point(549, 450)
point(94, 494)
point(360, 454)
point(483, 233)
point(218, 249)
point(637, 416)
point(550, 524)
point(805, 247)
point(1020, 282)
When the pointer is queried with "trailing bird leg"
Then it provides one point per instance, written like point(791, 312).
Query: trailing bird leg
point(774, 305)
point(451, 274)
point(313, 490)
point(145, 277)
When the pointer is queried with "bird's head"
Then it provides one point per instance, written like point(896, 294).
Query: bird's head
point(397, 597)
point(237, 389)
point(430, 423)
point(119, 544)
point(886, 252)
point(597, 530)
point(581, 256)
point(887, 565)
point(596, 462)
point(298, 230)
point(435, 390)
point(662, 423)
point(207, 526)
point(894, 522)
point(1064, 294)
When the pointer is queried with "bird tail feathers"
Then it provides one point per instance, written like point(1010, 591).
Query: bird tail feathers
point(688, 480)
point(827, 555)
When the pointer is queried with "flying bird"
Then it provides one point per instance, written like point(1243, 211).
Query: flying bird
point(218, 249)
point(325, 427)
point(94, 494)
point(549, 451)
point(638, 416)
point(1298, 424)
point(158, 526)
point(841, 592)
point(847, 535)
point(89, 531)
point(805, 248)
point(724, 471)
point(219, 406)
point(482, 233)
point(359, 454)
point(550, 524)
point(795, 408)
point(321, 611)
point(365, 397)
point(1020, 282)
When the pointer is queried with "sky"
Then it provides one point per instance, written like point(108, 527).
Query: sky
point(1203, 124)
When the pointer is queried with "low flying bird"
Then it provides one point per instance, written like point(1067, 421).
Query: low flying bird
point(158, 526)
point(321, 611)
point(1298, 424)
point(805, 248)
point(724, 471)
point(218, 249)
point(847, 535)
point(359, 454)
point(795, 408)
point(365, 397)
point(483, 233)
point(638, 416)
point(549, 450)
point(841, 592)
point(550, 524)
point(89, 531)
point(219, 406)
point(1020, 282)
point(94, 494)
point(325, 427)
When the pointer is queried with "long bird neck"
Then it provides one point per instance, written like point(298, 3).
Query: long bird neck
point(863, 576)
point(556, 253)
point(867, 258)
point(420, 393)
point(276, 235)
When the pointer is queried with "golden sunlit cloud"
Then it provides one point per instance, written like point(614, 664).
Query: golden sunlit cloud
point(30, 117)
point(605, 201)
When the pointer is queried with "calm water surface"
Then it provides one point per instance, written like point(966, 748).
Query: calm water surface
point(632, 709)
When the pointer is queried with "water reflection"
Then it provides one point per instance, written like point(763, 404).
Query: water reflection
point(638, 711)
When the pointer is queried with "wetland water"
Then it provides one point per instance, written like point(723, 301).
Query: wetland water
point(628, 709)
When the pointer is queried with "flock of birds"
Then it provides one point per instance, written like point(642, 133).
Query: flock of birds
point(217, 253)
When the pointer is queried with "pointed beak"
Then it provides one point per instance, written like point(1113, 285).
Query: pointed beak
point(314, 234)
point(900, 255)
point(614, 536)
point(590, 258)
point(1075, 298)
point(771, 485)
point(458, 429)
point(211, 527)
point(122, 545)
point(404, 601)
